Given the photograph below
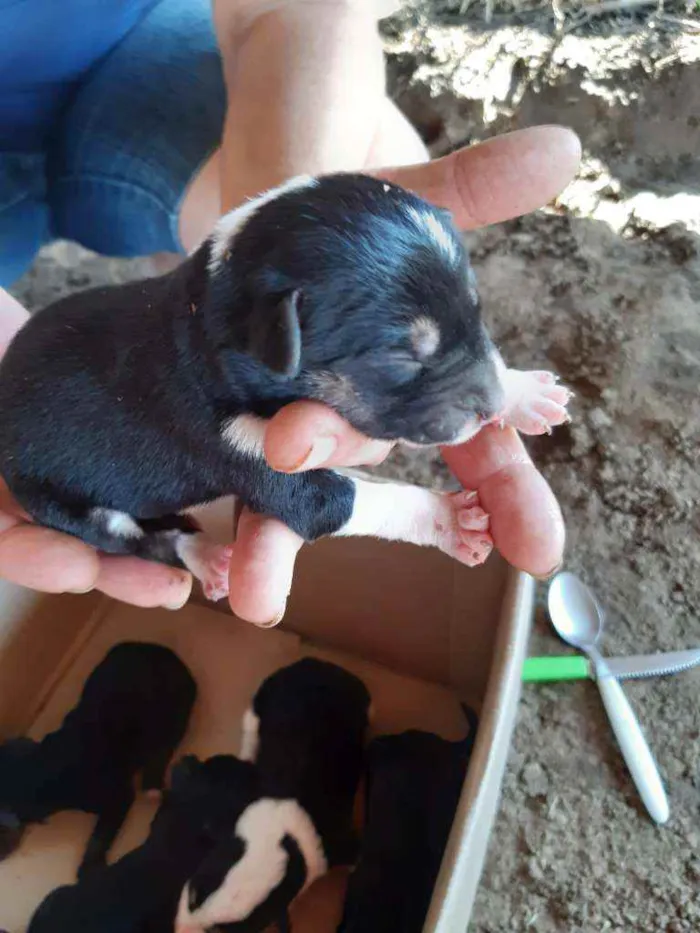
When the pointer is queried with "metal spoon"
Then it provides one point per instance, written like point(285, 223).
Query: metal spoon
point(578, 619)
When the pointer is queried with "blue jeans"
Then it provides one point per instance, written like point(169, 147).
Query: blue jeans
point(106, 115)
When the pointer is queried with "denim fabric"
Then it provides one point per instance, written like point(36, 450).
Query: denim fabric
point(117, 147)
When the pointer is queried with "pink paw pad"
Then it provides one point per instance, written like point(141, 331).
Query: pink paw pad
point(476, 551)
point(474, 519)
point(215, 572)
point(471, 543)
point(544, 376)
point(536, 403)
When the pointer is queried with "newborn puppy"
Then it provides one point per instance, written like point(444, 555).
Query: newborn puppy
point(140, 892)
point(414, 781)
point(131, 716)
point(121, 407)
point(306, 732)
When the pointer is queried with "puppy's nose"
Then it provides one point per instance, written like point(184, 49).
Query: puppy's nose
point(490, 415)
point(494, 403)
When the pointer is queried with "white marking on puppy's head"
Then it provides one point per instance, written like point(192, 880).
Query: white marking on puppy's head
point(262, 868)
point(246, 434)
point(232, 223)
point(441, 236)
point(425, 336)
point(250, 736)
point(117, 523)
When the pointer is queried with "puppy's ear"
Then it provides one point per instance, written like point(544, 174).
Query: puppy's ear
point(275, 335)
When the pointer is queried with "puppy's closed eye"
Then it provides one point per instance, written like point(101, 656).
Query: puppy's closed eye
point(400, 366)
point(405, 366)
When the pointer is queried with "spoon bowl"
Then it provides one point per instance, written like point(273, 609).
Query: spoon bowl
point(574, 611)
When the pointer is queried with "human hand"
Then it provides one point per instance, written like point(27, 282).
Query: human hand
point(492, 182)
point(43, 559)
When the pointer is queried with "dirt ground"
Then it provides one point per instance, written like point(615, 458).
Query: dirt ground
point(604, 287)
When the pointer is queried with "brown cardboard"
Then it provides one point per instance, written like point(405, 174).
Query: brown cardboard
point(421, 630)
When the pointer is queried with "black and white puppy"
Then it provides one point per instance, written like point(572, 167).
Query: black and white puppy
point(140, 892)
point(131, 716)
point(121, 407)
point(414, 782)
point(306, 732)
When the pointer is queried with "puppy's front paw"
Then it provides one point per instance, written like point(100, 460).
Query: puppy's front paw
point(534, 402)
point(466, 536)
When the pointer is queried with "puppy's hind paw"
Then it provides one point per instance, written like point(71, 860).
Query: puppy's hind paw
point(208, 562)
point(215, 581)
point(467, 538)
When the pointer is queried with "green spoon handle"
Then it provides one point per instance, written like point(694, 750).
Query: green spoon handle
point(563, 667)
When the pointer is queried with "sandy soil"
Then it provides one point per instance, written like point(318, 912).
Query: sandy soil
point(604, 288)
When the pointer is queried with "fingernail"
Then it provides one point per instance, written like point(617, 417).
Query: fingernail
point(82, 590)
point(179, 599)
point(376, 452)
point(323, 448)
point(273, 622)
point(550, 573)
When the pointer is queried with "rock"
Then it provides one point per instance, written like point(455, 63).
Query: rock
point(535, 780)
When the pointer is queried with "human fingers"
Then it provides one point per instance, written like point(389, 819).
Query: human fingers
point(51, 562)
point(262, 568)
point(526, 522)
point(504, 177)
point(143, 583)
point(45, 560)
point(306, 435)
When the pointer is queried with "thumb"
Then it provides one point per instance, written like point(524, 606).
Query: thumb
point(262, 568)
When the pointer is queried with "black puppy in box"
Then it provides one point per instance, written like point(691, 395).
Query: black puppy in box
point(131, 716)
point(140, 892)
point(414, 782)
point(121, 407)
point(306, 732)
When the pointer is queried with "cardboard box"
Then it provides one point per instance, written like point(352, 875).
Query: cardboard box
point(420, 629)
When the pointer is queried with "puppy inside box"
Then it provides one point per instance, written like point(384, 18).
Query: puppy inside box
point(229, 660)
point(122, 407)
